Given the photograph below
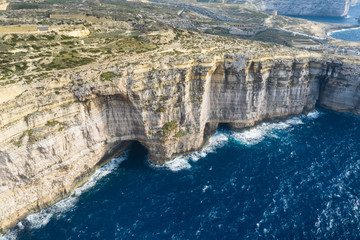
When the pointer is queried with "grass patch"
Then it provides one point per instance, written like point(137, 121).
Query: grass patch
point(134, 44)
point(30, 134)
point(19, 6)
point(64, 60)
point(160, 110)
point(107, 76)
point(52, 123)
point(169, 127)
point(7, 82)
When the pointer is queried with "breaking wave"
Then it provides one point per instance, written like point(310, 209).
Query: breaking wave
point(181, 163)
point(219, 140)
point(40, 219)
point(248, 137)
point(258, 134)
point(301, 181)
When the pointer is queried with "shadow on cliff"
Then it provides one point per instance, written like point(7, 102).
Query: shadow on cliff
point(137, 156)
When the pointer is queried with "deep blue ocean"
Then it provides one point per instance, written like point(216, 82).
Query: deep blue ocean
point(351, 18)
point(297, 179)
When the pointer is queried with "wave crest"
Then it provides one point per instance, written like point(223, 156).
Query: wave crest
point(40, 219)
point(249, 137)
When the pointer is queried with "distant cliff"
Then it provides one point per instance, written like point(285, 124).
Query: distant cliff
point(334, 8)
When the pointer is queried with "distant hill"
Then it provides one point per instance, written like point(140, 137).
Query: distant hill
point(306, 7)
point(335, 8)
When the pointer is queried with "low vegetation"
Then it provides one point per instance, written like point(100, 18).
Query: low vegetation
point(107, 76)
point(64, 60)
point(169, 127)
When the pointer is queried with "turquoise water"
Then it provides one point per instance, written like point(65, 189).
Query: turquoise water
point(351, 18)
point(347, 35)
point(298, 179)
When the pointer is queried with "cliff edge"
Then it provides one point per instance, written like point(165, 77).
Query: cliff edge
point(69, 104)
point(51, 140)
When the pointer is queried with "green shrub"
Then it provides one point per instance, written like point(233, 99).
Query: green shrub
point(107, 76)
point(169, 127)
point(160, 109)
point(65, 60)
point(51, 123)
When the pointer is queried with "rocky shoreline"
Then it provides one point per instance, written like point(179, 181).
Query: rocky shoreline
point(69, 104)
point(52, 142)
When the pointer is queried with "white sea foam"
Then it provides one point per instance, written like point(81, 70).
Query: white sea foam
point(205, 188)
point(256, 135)
point(314, 115)
point(249, 137)
point(41, 218)
point(11, 235)
point(342, 30)
point(181, 163)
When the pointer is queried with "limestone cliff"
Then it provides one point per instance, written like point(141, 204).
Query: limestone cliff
point(55, 132)
point(335, 8)
point(3, 5)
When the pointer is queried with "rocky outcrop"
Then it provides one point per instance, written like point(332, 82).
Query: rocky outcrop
point(334, 8)
point(56, 132)
point(3, 5)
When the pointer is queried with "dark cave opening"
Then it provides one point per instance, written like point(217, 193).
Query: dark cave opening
point(137, 156)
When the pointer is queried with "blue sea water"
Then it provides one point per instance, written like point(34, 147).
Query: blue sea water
point(298, 179)
point(351, 18)
point(347, 35)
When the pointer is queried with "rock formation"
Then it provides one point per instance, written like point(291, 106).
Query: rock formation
point(335, 8)
point(56, 132)
point(3, 4)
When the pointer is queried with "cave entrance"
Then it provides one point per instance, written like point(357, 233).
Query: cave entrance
point(137, 156)
point(224, 126)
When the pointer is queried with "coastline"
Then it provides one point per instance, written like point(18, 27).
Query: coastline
point(84, 178)
point(78, 182)
point(329, 33)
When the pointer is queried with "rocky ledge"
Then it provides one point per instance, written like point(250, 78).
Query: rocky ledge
point(56, 132)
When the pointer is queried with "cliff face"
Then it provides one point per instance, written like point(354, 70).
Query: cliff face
point(54, 136)
point(335, 8)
